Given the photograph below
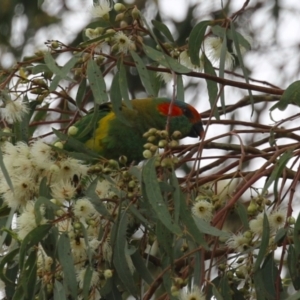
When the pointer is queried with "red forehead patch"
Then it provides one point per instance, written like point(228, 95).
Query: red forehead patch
point(164, 109)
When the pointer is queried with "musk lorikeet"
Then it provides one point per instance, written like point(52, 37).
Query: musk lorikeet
point(111, 137)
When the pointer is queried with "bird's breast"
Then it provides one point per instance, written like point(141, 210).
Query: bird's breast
point(100, 133)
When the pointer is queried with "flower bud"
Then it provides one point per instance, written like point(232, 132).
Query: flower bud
point(99, 30)
point(113, 163)
point(176, 135)
point(164, 134)
point(153, 148)
point(148, 145)
point(54, 168)
point(59, 213)
point(151, 138)
point(240, 274)
point(54, 44)
point(112, 31)
point(248, 234)
point(123, 24)
point(72, 130)
point(152, 131)
point(162, 143)
point(77, 225)
point(166, 162)
point(108, 273)
point(59, 145)
point(119, 17)
point(107, 170)
point(173, 144)
point(291, 220)
point(118, 7)
point(135, 13)
point(131, 184)
point(123, 159)
point(147, 154)
point(252, 208)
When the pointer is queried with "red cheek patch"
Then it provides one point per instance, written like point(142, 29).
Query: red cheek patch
point(164, 109)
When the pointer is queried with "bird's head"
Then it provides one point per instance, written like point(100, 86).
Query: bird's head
point(183, 117)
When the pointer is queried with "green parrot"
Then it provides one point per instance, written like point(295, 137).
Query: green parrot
point(111, 137)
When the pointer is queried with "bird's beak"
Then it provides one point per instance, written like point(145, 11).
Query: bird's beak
point(197, 130)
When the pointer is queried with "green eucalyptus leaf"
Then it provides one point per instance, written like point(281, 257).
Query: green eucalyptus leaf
point(212, 87)
point(165, 60)
point(66, 261)
point(290, 96)
point(277, 171)
point(296, 236)
point(162, 28)
point(141, 268)
point(180, 88)
point(164, 239)
point(123, 85)
point(119, 257)
point(81, 92)
point(116, 99)
point(293, 265)
point(155, 198)
point(59, 291)
point(270, 275)
point(143, 73)
point(97, 82)
point(7, 260)
point(264, 243)
point(32, 239)
point(237, 40)
point(195, 41)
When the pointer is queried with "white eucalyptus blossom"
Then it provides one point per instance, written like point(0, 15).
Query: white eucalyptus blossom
point(185, 60)
point(83, 208)
point(81, 275)
point(191, 294)
point(63, 190)
point(238, 242)
point(164, 76)
point(277, 219)
point(123, 42)
point(26, 221)
point(14, 111)
point(101, 9)
point(203, 209)
point(256, 225)
point(213, 49)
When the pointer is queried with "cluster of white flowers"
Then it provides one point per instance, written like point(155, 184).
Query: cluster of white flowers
point(276, 219)
point(13, 111)
point(242, 241)
point(26, 221)
point(26, 167)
